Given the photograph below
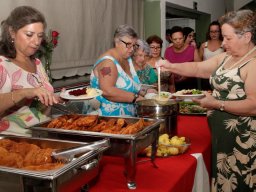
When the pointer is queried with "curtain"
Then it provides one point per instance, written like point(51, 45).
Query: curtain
point(86, 28)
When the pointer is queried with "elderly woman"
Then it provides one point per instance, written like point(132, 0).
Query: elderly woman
point(232, 104)
point(115, 75)
point(25, 91)
point(146, 73)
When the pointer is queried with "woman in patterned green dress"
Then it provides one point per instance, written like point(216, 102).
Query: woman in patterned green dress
point(232, 104)
point(146, 73)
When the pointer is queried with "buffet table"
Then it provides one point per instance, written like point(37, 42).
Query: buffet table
point(181, 173)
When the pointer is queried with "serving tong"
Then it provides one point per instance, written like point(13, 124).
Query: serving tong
point(66, 108)
point(67, 155)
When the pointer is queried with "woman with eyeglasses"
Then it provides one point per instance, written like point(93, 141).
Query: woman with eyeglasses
point(115, 75)
point(155, 44)
point(146, 73)
point(189, 36)
point(25, 91)
point(232, 104)
point(213, 46)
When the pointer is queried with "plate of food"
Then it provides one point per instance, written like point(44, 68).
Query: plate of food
point(84, 93)
point(191, 108)
point(189, 94)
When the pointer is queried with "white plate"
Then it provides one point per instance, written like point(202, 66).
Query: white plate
point(192, 96)
point(153, 95)
point(66, 95)
point(150, 95)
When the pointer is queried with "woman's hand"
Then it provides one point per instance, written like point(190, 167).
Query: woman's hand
point(151, 91)
point(44, 96)
point(208, 101)
point(163, 64)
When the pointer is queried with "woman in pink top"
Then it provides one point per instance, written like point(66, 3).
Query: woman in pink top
point(180, 52)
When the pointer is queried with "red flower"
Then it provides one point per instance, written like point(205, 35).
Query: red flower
point(48, 44)
point(55, 42)
point(55, 33)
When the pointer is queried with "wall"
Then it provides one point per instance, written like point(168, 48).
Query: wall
point(238, 3)
point(151, 18)
point(215, 8)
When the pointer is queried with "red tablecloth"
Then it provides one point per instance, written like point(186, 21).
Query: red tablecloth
point(175, 174)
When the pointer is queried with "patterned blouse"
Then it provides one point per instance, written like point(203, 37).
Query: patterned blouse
point(124, 82)
point(147, 75)
point(28, 112)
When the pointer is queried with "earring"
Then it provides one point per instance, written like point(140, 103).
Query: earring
point(12, 41)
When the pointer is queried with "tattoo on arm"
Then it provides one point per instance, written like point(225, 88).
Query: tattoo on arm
point(105, 71)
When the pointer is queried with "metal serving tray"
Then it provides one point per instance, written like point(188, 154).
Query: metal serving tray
point(21, 180)
point(127, 146)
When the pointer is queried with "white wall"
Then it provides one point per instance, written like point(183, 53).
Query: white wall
point(214, 7)
point(240, 3)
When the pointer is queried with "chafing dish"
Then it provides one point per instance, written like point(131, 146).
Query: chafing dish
point(168, 111)
point(126, 146)
point(84, 166)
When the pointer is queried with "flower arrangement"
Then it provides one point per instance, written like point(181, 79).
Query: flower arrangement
point(46, 49)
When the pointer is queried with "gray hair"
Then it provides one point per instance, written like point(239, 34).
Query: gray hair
point(242, 21)
point(125, 30)
point(143, 45)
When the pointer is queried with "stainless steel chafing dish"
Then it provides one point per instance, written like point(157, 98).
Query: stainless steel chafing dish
point(85, 167)
point(126, 146)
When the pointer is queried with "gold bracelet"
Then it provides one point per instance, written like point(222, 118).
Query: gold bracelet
point(13, 98)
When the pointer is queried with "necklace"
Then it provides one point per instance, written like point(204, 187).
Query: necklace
point(253, 49)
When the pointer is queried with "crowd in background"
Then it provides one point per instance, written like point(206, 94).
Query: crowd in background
point(182, 47)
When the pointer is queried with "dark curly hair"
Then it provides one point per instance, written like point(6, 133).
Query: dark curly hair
point(187, 31)
point(216, 23)
point(156, 39)
point(19, 17)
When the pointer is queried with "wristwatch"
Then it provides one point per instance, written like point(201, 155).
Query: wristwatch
point(222, 106)
point(136, 95)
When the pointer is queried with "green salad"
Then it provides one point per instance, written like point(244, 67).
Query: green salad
point(191, 108)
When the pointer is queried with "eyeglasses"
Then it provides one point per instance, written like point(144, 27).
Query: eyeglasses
point(214, 31)
point(130, 45)
point(155, 48)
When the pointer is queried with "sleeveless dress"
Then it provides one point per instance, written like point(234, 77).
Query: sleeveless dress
point(233, 136)
point(208, 53)
point(205, 85)
point(124, 82)
point(30, 112)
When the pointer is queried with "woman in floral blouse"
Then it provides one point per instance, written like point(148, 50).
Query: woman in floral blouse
point(25, 91)
point(232, 104)
point(146, 73)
